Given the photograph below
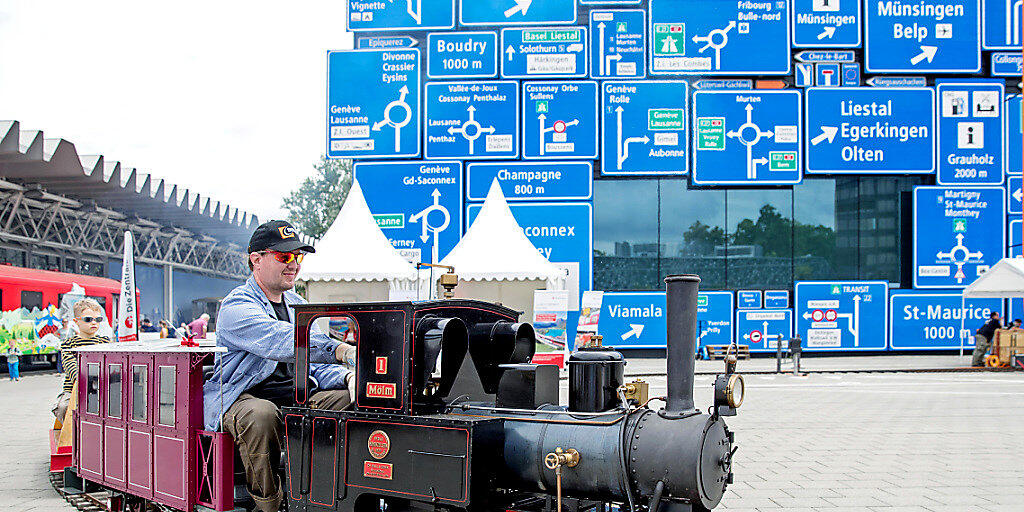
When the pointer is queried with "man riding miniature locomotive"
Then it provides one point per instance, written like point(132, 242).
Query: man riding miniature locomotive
point(450, 413)
point(256, 325)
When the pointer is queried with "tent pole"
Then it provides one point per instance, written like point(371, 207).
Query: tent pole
point(962, 314)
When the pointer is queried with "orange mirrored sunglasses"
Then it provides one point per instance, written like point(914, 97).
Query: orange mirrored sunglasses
point(286, 257)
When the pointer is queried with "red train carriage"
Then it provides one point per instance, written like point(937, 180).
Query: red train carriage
point(31, 288)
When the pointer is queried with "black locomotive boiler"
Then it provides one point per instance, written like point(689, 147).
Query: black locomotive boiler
point(449, 414)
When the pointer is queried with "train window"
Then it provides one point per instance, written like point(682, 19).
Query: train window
point(114, 391)
point(101, 300)
point(167, 381)
point(31, 300)
point(92, 394)
point(140, 390)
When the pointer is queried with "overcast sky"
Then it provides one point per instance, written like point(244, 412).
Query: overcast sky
point(224, 97)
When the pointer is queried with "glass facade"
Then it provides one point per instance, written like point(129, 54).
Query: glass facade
point(834, 228)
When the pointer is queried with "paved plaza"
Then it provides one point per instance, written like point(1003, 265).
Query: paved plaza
point(890, 442)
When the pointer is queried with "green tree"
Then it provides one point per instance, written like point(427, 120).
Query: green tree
point(315, 204)
point(701, 238)
point(771, 231)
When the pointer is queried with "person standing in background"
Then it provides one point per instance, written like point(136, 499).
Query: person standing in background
point(983, 339)
point(198, 326)
point(12, 360)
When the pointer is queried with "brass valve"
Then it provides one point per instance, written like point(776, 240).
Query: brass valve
point(636, 391)
point(568, 458)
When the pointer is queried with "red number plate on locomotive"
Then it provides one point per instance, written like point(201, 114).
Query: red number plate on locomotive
point(380, 470)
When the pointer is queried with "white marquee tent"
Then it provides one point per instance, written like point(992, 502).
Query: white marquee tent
point(496, 262)
point(355, 262)
point(1004, 280)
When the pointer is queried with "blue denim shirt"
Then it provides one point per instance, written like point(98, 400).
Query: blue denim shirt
point(256, 340)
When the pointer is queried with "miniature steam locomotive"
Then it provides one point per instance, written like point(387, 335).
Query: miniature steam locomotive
point(448, 414)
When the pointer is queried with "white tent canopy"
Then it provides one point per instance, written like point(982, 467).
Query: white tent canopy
point(1004, 280)
point(355, 249)
point(496, 249)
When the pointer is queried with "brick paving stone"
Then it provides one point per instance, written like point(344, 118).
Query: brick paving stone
point(855, 501)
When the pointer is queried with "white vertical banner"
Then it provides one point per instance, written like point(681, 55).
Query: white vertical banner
point(127, 309)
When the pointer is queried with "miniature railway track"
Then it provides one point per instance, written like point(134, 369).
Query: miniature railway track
point(86, 502)
point(967, 369)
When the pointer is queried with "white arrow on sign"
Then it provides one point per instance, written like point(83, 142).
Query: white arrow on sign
point(827, 32)
point(1018, 195)
point(521, 6)
point(634, 330)
point(927, 52)
point(510, 51)
point(827, 132)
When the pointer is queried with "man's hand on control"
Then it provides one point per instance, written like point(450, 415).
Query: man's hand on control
point(350, 382)
point(345, 354)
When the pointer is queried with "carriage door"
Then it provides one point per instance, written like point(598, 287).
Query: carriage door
point(115, 425)
point(170, 432)
point(90, 413)
point(140, 425)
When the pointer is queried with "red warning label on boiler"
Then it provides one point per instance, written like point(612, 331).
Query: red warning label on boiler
point(381, 470)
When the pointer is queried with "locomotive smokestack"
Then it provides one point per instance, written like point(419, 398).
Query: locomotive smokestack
point(681, 300)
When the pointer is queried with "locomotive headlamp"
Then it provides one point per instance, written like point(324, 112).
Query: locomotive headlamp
point(729, 390)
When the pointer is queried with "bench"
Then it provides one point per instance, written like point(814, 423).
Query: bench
point(716, 352)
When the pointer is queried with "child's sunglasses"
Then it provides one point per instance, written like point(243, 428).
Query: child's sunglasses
point(286, 257)
point(91, 319)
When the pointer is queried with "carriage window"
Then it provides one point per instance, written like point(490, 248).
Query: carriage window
point(92, 394)
point(140, 390)
point(31, 300)
point(114, 391)
point(166, 411)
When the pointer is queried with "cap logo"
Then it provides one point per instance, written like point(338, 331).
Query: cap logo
point(286, 232)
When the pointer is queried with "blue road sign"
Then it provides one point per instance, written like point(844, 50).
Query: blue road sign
point(1014, 134)
point(400, 15)
point(841, 315)
point(552, 52)
point(697, 37)
point(517, 12)
point(748, 299)
point(827, 74)
point(932, 37)
point(958, 234)
point(633, 320)
point(714, 318)
point(870, 130)
point(920, 320)
point(462, 55)
point(723, 84)
point(1006, 64)
point(418, 205)
point(842, 56)
point(560, 120)
point(618, 44)
point(1014, 194)
point(1001, 20)
point(1014, 250)
point(643, 127)
point(385, 124)
point(970, 132)
point(898, 81)
point(826, 23)
point(851, 75)
point(472, 120)
point(749, 137)
point(385, 42)
point(532, 181)
point(776, 299)
point(803, 73)
point(761, 329)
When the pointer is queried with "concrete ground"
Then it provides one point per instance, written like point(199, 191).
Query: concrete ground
point(926, 442)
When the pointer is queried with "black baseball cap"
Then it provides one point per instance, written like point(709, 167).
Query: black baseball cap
point(277, 235)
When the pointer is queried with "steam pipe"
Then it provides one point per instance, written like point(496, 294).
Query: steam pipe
point(681, 302)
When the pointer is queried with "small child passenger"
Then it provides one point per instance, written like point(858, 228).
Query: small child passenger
point(88, 315)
